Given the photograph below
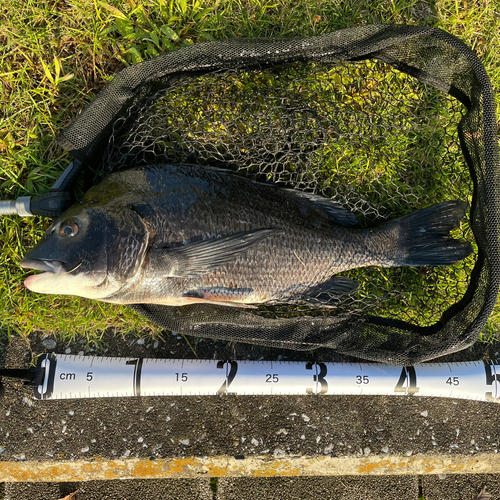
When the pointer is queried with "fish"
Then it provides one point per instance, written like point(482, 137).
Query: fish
point(176, 235)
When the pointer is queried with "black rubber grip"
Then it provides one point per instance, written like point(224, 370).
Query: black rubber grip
point(51, 204)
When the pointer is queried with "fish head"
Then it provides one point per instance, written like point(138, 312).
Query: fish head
point(90, 252)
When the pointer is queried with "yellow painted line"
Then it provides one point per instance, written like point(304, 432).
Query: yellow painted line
point(256, 466)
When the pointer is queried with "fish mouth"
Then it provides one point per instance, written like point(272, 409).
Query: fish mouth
point(48, 266)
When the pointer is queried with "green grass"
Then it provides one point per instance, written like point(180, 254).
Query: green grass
point(56, 56)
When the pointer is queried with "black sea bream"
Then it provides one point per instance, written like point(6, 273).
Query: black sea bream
point(180, 234)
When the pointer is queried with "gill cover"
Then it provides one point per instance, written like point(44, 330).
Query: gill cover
point(88, 252)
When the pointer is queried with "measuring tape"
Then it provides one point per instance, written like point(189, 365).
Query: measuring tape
point(66, 376)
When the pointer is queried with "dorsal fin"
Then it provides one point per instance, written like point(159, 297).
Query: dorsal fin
point(335, 211)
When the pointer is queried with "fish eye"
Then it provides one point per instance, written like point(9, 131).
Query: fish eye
point(69, 228)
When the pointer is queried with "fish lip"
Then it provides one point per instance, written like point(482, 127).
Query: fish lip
point(49, 266)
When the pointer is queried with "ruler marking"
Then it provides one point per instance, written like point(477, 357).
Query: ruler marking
point(494, 379)
point(110, 384)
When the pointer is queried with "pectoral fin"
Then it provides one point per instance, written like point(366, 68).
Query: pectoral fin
point(205, 256)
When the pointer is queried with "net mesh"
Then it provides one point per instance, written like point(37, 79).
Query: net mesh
point(383, 119)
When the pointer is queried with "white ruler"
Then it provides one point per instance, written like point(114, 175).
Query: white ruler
point(65, 376)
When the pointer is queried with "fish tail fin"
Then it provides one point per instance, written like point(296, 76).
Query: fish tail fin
point(424, 238)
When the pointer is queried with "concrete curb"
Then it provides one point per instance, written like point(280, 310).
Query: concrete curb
point(256, 466)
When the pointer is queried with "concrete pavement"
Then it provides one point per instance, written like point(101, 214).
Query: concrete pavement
point(230, 446)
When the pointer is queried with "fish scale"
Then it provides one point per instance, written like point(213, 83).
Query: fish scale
point(180, 234)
